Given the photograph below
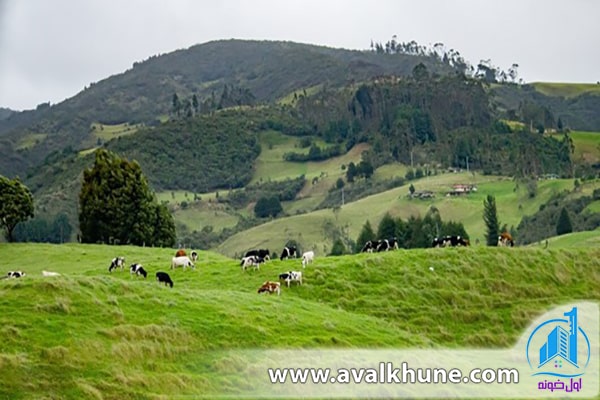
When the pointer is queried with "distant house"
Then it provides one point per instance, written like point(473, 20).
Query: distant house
point(460, 189)
point(422, 194)
point(547, 177)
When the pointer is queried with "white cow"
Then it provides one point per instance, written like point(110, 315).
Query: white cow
point(183, 261)
point(307, 257)
point(48, 273)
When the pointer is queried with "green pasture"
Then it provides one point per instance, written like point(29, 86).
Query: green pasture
point(93, 334)
point(587, 146)
point(313, 230)
point(289, 99)
point(30, 140)
point(107, 132)
point(566, 89)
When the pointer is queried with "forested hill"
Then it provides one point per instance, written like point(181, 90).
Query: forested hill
point(267, 70)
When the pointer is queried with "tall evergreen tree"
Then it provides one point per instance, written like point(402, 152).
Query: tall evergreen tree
point(563, 225)
point(117, 206)
point(366, 234)
point(490, 217)
point(387, 227)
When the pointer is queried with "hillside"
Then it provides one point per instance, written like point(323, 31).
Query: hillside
point(142, 94)
point(94, 335)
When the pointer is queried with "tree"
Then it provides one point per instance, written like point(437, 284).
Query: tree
point(366, 234)
point(387, 227)
point(338, 248)
point(563, 225)
point(267, 206)
point(411, 189)
point(117, 206)
point(176, 104)
point(16, 205)
point(420, 72)
point(339, 183)
point(490, 217)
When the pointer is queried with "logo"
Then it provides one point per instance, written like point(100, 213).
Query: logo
point(559, 350)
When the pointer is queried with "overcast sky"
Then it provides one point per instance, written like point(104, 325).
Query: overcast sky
point(51, 49)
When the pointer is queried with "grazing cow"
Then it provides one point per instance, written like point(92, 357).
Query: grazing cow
point(251, 261)
point(291, 276)
point(288, 251)
point(370, 246)
point(180, 253)
point(117, 262)
point(387, 244)
point(163, 277)
point(264, 253)
point(194, 255)
point(270, 287)
point(505, 239)
point(448, 241)
point(307, 257)
point(183, 261)
point(15, 274)
point(138, 270)
point(48, 273)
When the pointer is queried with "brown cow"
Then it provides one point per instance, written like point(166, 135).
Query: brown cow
point(270, 287)
point(505, 240)
point(180, 253)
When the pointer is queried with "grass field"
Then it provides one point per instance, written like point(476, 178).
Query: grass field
point(587, 146)
point(30, 140)
point(310, 230)
point(91, 334)
point(566, 89)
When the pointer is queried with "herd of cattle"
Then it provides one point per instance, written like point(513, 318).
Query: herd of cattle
point(254, 258)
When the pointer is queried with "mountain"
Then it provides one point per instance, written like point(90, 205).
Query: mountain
point(5, 113)
point(144, 93)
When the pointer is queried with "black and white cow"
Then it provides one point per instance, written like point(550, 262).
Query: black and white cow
point(117, 262)
point(450, 241)
point(263, 253)
point(387, 244)
point(291, 276)
point(251, 261)
point(15, 274)
point(138, 270)
point(163, 277)
point(287, 252)
point(370, 246)
point(194, 255)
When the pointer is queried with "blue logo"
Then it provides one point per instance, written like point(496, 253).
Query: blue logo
point(559, 347)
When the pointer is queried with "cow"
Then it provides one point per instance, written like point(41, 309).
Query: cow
point(251, 261)
point(287, 252)
point(194, 255)
point(437, 242)
point(117, 262)
point(48, 273)
point(138, 270)
point(264, 253)
point(15, 274)
point(180, 253)
point(370, 246)
point(291, 276)
point(307, 257)
point(505, 239)
point(387, 244)
point(270, 287)
point(163, 277)
point(183, 261)
point(450, 241)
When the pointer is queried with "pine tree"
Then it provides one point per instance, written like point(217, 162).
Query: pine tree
point(563, 225)
point(364, 236)
point(16, 205)
point(387, 227)
point(490, 217)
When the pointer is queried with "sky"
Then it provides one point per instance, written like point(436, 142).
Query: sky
point(51, 49)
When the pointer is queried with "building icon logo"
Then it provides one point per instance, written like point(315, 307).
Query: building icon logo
point(559, 347)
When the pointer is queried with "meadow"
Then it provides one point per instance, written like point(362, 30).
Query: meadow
point(91, 334)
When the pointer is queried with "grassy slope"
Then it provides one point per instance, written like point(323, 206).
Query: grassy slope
point(88, 334)
point(587, 146)
point(566, 89)
point(308, 229)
